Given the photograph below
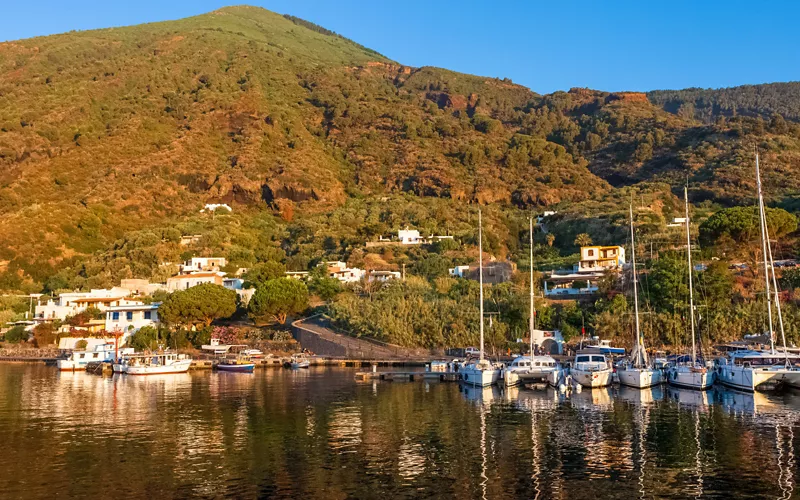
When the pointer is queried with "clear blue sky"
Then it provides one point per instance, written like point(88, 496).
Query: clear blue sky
point(547, 46)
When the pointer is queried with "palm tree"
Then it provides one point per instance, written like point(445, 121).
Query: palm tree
point(583, 240)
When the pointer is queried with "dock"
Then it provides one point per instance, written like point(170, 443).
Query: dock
point(409, 376)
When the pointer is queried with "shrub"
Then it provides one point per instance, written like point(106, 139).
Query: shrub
point(16, 334)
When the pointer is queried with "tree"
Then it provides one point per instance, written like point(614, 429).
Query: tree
point(278, 299)
point(743, 226)
point(146, 338)
point(44, 334)
point(16, 334)
point(432, 266)
point(583, 240)
point(668, 283)
point(551, 238)
point(198, 305)
point(324, 287)
point(261, 273)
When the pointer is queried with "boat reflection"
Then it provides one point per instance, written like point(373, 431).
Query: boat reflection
point(688, 398)
point(480, 394)
point(640, 397)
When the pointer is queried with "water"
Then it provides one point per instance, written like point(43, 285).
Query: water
point(318, 433)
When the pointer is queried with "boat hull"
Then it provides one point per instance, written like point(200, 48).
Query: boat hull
point(480, 378)
point(640, 378)
point(758, 379)
point(300, 364)
point(686, 378)
point(181, 366)
point(594, 378)
point(240, 368)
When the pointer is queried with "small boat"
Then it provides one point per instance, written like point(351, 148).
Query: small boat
point(78, 360)
point(152, 364)
point(481, 372)
point(692, 374)
point(638, 372)
point(298, 362)
point(241, 364)
point(591, 369)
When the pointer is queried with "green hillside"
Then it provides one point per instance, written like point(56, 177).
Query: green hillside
point(112, 141)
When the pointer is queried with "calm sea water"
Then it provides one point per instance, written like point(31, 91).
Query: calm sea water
point(318, 433)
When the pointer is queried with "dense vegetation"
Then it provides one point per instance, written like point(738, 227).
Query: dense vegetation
point(707, 105)
point(112, 141)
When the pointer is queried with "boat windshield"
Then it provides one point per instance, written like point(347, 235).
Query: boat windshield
point(583, 359)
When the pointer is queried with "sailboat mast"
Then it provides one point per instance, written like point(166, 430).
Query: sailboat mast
point(532, 311)
point(774, 283)
point(689, 260)
point(762, 220)
point(635, 294)
point(480, 273)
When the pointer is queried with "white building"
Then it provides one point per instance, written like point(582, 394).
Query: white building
point(71, 303)
point(677, 222)
point(409, 236)
point(131, 317)
point(196, 264)
point(458, 271)
point(383, 276)
point(233, 283)
point(213, 207)
point(595, 262)
point(297, 275)
point(341, 272)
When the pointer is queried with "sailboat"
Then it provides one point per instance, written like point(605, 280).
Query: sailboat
point(693, 375)
point(762, 370)
point(638, 372)
point(482, 372)
point(532, 368)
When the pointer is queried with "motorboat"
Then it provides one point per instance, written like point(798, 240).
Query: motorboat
point(299, 361)
point(638, 372)
point(533, 369)
point(692, 373)
point(481, 372)
point(591, 369)
point(750, 370)
point(152, 364)
point(102, 353)
point(241, 364)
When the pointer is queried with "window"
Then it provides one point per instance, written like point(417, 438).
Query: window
point(582, 359)
point(82, 356)
point(148, 314)
point(590, 253)
point(129, 315)
point(115, 316)
point(598, 359)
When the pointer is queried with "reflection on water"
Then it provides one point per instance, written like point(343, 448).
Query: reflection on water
point(287, 434)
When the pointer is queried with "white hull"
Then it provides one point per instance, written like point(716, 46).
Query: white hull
point(480, 377)
point(181, 366)
point(300, 364)
point(595, 378)
point(687, 378)
point(640, 378)
point(748, 378)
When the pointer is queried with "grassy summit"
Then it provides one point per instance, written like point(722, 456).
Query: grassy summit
point(112, 131)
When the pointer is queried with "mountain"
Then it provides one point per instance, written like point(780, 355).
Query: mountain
point(111, 138)
point(764, 101)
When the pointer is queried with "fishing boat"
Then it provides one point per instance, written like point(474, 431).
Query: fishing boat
point(591, 369)
point(299, 361)
point(694, 374)
point(241, 364)
point(102, 353)
point(762, 370)
point(152, 364)
point(480, 372)
point(638, 372)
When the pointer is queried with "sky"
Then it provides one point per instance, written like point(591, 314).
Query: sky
point(544, 45)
